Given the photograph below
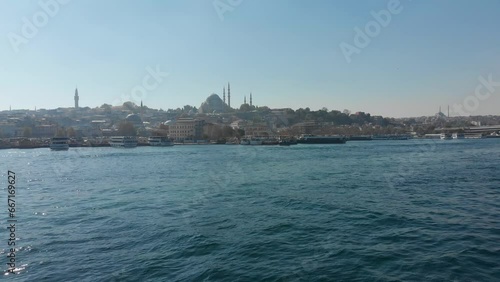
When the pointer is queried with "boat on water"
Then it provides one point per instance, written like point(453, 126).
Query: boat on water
point(123, 141)
point(446, 136)
point(270, 142)
point(287, 141)
point(59, 144)
point(458, 136)
point(474, 136)
point(360, 138)
point(284, 143)
point(390, 137)
point(160, 141)
point(255, 141)
point(493, 135)
point(312, 139)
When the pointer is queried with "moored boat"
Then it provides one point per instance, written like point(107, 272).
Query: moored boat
point(493, 135)
point(270, 142)
point(446, 136)
point(284, 143)
point(312, 139)
point(160, 141)
point(360, 138)
point(255, 141)
point(123, 141)
point(59, 144)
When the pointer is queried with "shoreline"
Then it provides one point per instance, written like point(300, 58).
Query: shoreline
point(105, 145)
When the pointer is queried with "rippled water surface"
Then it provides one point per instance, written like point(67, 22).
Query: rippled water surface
point(363, 211)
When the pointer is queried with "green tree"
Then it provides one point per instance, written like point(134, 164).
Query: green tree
point(27, 132)
point(245, 108)
point(71, 132)
point(130, 106)
point(61, 132)
point(240, 132)
point(227, 131)
point(127, 129)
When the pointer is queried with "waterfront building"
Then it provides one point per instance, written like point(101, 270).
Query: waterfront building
point(308, 127)
point(256, 129)
point(186, 129)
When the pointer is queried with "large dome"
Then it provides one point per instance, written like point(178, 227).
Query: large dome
point(135, 119)
point(213, 103)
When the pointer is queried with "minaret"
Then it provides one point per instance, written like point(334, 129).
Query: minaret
point(76, 98)
point(245, 100)
point(142, 110)
point(250, 99)
point(448, 111)
point(224, 94)
point(229, 95)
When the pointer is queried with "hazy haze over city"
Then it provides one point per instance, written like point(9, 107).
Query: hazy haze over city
point(287, 53)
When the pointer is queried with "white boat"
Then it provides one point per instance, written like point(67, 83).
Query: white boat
point(474, 136)
point(445, 136)
point(245, 141)
point(123, 141)
point(458, 136)
point(59, 144)
point(160, 141)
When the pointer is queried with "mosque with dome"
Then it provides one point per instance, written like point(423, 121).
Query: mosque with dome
point(214, 104)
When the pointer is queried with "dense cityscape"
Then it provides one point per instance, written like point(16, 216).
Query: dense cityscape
point(216, 121)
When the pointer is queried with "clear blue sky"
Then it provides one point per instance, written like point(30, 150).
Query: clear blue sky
point(285, 52)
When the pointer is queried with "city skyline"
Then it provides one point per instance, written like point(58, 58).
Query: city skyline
point(76, 98)
point(425, 54)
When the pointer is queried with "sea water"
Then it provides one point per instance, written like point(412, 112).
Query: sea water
point(424, 210)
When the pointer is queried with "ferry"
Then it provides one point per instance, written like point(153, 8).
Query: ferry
point(312, 139)
point(160, 141)
point(59, 144)
point(446, 136)
point(123, 141)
